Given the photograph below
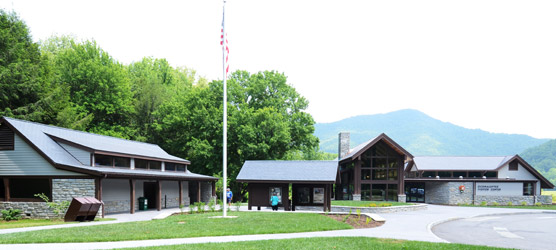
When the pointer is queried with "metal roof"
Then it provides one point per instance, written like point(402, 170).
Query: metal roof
point(44, 137)
point(291, 171)
point(359, 149)
point(450, 163)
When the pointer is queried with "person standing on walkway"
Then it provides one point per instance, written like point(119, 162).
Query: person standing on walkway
point(229, 196)
point(274, 202)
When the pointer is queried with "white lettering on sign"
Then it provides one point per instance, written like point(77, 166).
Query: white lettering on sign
point(499, 188)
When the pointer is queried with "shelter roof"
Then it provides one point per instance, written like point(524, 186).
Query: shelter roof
point(288, 171)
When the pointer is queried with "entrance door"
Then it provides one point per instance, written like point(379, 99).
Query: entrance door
point(193, 189)
point(149, 192)
point(415, 191)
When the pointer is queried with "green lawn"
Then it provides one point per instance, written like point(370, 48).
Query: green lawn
point(28, 223)
point(326, 243)
point(349, 203)
point(37, 222)
point(183, 226)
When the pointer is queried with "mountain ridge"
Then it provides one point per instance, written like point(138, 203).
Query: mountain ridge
point(421, 134)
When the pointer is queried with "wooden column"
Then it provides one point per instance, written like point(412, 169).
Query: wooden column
point(6, 189)
point(401, 179)
point(199, 191)
point(357, 177)
point(213, 188)
point(132, 196)
point(158, 195)
point(180, 187)
point(250, 197)
point(98, 192)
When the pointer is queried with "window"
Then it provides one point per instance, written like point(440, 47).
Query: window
point(392, 193)
point(6, 138)
point(121, 162)
point(475, 175)
point(527, 188)
point(141, 164)
point(365, 192)
point(365, 174)
point(513, 166)
point(145, 164)
point(181, 168)
point(392, 174)
point(303, 195)
point(25, 189)
point(103, 160)
point(491, 174)
point(379, 174)
point(444, 174)
point(429, 174)
point(458, 174)
point(378, 192)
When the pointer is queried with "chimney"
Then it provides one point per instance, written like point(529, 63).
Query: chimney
point(343, 144)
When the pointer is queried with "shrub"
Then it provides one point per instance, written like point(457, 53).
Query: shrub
point(358, 211)
point(510, 203)
point(372, 205)
point(59, 208)
point(11, 214)
point(495, 203)
point(212, 205)
point(538, 204)
point(483, 203)
point(524, 203)
point(368, 220)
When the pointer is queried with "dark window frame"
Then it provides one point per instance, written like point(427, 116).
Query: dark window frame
point(513, 166)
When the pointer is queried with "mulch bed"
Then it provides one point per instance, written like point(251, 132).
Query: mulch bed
point(356, 221)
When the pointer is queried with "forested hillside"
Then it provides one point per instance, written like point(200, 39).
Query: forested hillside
point(543, 158)
point(421, 134)
point(76, 84)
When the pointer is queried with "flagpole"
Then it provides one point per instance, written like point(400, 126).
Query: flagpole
point(225, 118)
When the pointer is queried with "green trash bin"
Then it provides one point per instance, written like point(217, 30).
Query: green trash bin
point(143, 203)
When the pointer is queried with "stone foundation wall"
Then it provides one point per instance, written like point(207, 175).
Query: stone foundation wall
point(30, 209)
point(545, 199)
point(118, 206)
point(344, 209)
point(170, 202)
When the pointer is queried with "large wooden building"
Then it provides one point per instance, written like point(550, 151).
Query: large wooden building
point(64, 163)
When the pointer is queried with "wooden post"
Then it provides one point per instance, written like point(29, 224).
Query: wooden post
point(249, 205)
point(214, 188)
point(98, 186)
point(199, 191)
point(180, 187)
point(158, 195)
point(357, 177)
point(132, 196)
point(6, 189)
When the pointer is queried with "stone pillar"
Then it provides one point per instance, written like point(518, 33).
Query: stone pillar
point(343, 144)
point(401, 198)
point(356, 197)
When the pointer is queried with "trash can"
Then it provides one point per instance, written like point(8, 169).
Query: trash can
point(82, 209)
point(143, 203)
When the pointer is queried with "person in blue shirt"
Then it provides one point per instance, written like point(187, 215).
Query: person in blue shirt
point(229, 196)
point(274, 202)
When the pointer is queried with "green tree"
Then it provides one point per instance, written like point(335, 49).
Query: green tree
point(101, 98)
point(266, 121)
point(22, 71)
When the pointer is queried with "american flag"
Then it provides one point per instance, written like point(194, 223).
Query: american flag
point(224, 42)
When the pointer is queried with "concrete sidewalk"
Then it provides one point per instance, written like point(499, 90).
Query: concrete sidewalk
point(414, 225)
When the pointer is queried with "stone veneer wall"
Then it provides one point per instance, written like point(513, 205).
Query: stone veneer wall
point(62, 190)
point(206, 191)
point(448, 193)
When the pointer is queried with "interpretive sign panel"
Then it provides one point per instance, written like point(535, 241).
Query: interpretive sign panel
point(318, 195)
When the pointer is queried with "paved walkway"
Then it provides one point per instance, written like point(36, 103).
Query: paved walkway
point(413, 225)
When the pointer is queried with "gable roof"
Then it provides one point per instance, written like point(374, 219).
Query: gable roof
point(472, 163)
point(361, 148)
point(289, 171)
point(45, 138)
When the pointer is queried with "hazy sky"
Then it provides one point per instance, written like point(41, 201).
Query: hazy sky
point(478, 64)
